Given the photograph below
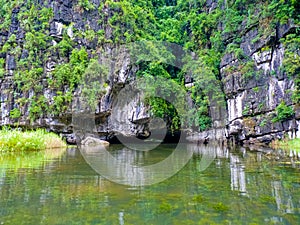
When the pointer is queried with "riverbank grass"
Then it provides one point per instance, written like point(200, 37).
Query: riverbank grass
point(287, 144)
point(15, 140)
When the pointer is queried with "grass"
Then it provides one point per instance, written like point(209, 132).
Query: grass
point(15, 140)
point(287, 144)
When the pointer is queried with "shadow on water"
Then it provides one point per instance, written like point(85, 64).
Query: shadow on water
point(216, 186)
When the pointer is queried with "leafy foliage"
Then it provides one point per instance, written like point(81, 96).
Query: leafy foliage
point(2, 69)
point(96, 77)
point(209, 30)
point(86, 5)
point(291, 62)
point(283, 112)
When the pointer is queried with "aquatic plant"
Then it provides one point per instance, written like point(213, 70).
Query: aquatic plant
point(198, 198)
point(165, 207)
point(17, 140)
point(220, 207)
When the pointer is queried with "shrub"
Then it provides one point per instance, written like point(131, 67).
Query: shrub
point(283, 112)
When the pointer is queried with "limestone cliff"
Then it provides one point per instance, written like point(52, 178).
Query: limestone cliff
point(253, 98)
point(44, 99)
point(46, 46)
point(258, 84)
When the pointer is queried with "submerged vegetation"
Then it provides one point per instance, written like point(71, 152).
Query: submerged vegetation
point(25, 141)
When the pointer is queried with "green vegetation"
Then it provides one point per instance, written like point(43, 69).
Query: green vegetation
point(33, 159)
point(291, 62)
point(263, 123)
point(198, 199)
point(165, 207)
point(15, 140)
point(246, 110)
point(283, 112)
point(287, 144)
point(209, 32)
point(220, 207)
point(86, 5)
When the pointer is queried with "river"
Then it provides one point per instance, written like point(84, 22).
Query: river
point(230, 187)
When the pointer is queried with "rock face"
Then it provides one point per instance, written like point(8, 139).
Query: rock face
point(253, 88)
point(68, 17)
point(252, 98)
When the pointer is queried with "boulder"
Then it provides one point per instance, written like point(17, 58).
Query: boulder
point(92, 142)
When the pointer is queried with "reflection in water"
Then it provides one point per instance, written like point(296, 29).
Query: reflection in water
point(236, 186)
point(121, 218)
point(127, 167)
point(33, 159)
point(284, 201)
point(237, 171)
point(237, 168)
point(238, 176)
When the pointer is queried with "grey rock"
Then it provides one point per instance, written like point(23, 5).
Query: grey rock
point(266, 139)
point(92, 142)
point(297, 112)
point(254, 98)
point(62, 11)
point(14, 26)
point(11, 62)
point(284, 29)
point(56, 29)
point(227, 59)
point(249, 47)
point(24, 54)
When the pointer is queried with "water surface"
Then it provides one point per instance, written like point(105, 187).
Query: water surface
point(238, 187)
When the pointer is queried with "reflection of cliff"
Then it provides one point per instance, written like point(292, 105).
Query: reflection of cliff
point(68, 177)
point(211, 154)
point(128, 166)
point(284, 201)
point(252, 175)
point(238, 177)
point(248, 176)
point(69, 190)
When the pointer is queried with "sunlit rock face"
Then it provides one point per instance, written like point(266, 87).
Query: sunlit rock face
point(252, 98)
point(252, 94)
point(67, 19)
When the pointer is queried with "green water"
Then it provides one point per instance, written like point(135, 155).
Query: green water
point(238, 187)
